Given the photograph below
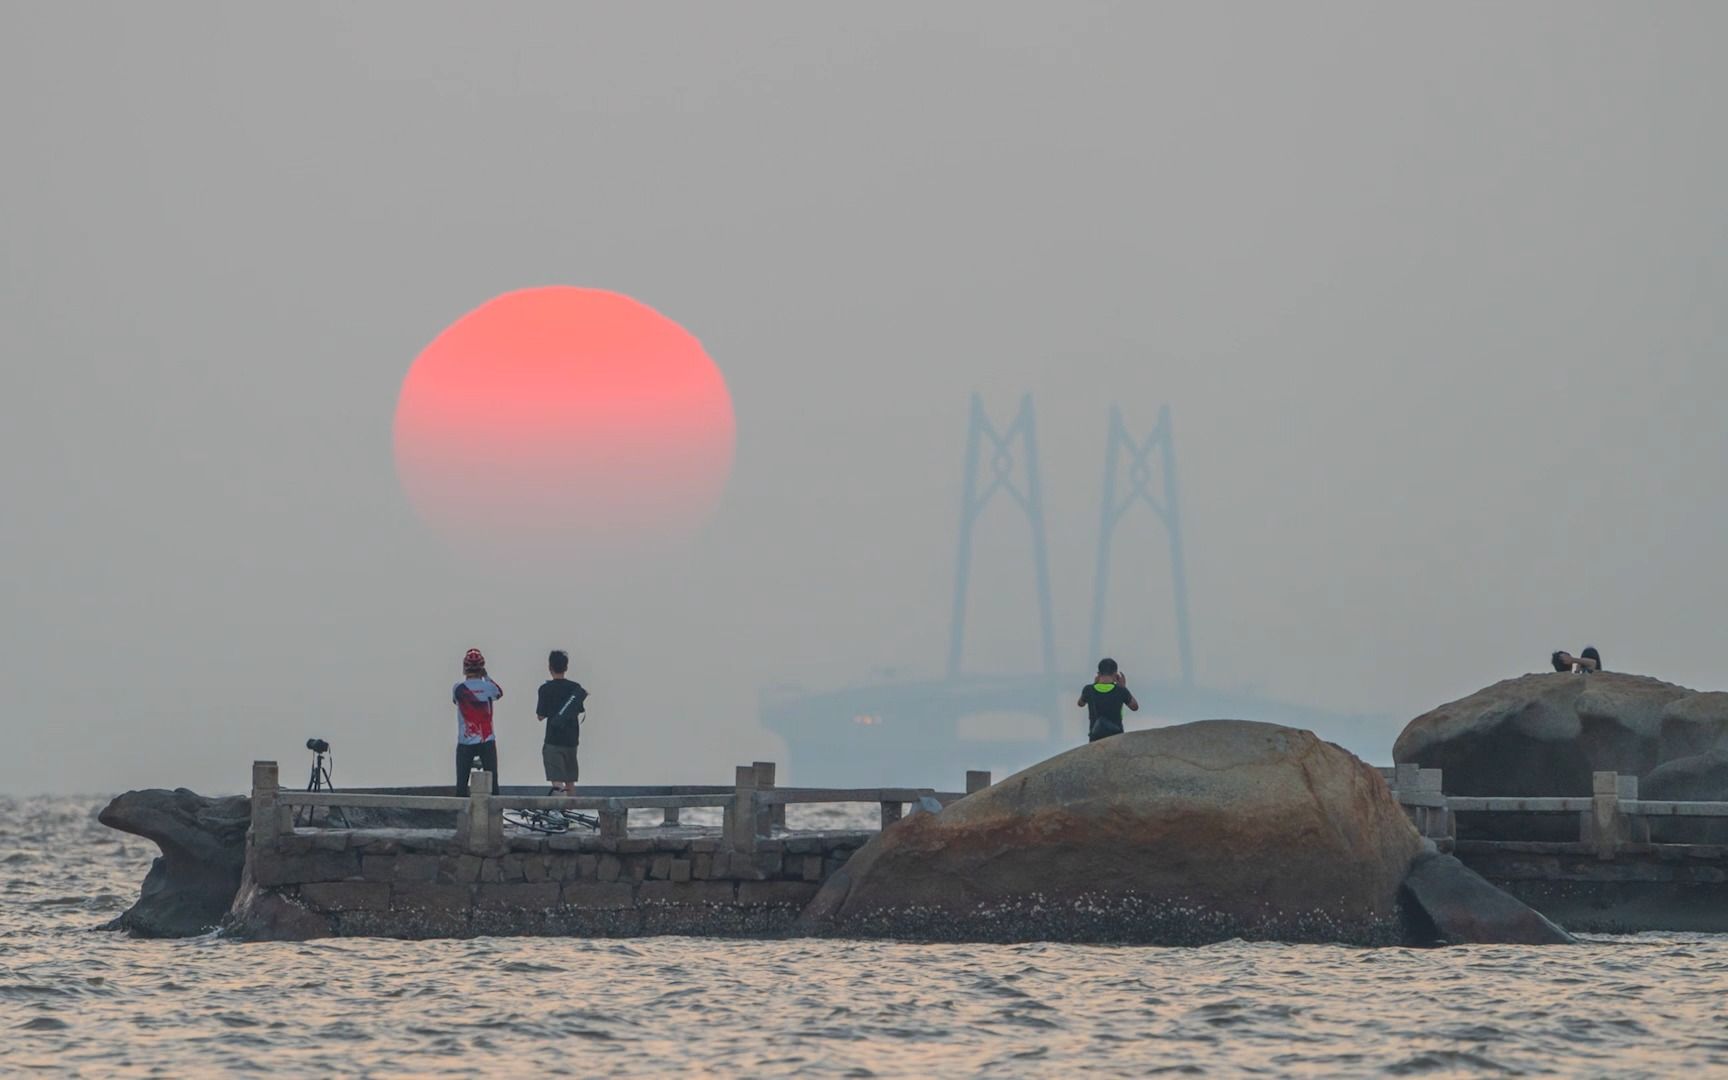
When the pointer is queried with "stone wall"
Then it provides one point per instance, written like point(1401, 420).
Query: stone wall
point(1656, 887)
point(424, 884)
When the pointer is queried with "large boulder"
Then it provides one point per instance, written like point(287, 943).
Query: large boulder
point(203, 840)
point(1694, 725)
point(1697, 778)
point(1542, 734)
point(1179, 835)
point(1454, 905)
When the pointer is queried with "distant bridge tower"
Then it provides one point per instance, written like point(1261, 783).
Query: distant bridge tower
point(1018, 476)
point(1119, 497)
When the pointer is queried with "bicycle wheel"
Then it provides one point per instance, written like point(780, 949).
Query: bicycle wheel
point(535, 821)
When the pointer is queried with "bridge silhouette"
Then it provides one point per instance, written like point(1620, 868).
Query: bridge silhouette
point(910, 730)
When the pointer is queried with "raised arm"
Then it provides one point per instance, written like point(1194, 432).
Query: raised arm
point(1122, 681)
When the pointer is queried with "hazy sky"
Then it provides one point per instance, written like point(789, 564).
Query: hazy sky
point(1437, 297)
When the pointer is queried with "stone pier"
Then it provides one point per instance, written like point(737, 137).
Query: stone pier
point(1635, 865)
point(422, 883)
point(747, 877)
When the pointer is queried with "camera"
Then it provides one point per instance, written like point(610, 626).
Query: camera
point(320, 781)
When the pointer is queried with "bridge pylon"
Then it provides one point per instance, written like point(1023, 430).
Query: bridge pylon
point(1016, 474)
point(1150, 460)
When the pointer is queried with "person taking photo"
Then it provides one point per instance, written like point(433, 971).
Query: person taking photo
point(475, 740)
point(1103, 699)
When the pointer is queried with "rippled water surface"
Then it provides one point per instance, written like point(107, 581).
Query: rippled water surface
point(73, 1001)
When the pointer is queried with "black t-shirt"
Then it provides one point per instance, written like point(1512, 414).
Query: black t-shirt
point(561, 703)
point(1104, 708)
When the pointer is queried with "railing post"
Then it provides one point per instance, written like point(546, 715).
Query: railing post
point(775, 815)
point(1606, 823)
point(1434, 812)
point(483, 824)
point(614, 821)
point(494, 814)
point(265, 781)
point(1637, 825)
point(891, 812)
point(669, 816)
point(741, 814)
point(977, 780)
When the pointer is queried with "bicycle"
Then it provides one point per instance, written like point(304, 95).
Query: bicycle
point(540, 821)
point(551, 821)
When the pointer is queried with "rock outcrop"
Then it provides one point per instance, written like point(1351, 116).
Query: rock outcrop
point(192, 885)
point(1454, 905)
point(203, 840)
point(1694, 725)
point(1544, 734)
point(1695, 778)
point(1179, 835)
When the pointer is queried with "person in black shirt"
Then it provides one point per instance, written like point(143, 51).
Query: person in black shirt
point(1103, 701)
point(560, 707)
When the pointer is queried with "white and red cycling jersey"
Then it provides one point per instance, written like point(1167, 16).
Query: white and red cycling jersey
point(474, 698)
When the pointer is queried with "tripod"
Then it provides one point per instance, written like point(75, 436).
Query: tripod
point(320, 781)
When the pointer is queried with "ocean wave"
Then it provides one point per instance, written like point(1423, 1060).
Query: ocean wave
point(73, 1002)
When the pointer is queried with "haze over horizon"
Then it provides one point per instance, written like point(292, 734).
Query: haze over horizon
point(1436, 298)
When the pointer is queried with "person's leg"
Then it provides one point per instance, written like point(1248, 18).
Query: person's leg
point(464, 762)
point(561, 767)
point(489, 761)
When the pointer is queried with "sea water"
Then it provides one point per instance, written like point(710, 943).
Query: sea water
point(77, 1001)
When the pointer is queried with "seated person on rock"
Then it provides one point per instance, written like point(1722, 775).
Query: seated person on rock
point(1103, 699)
point(1587, 661)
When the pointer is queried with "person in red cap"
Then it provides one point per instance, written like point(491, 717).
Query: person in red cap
point(475, 740)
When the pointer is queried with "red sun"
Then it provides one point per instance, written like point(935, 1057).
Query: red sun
point(563, 418)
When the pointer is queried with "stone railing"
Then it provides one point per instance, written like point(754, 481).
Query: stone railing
point(468, 875)
point(752, 808)
point(1610, 819)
